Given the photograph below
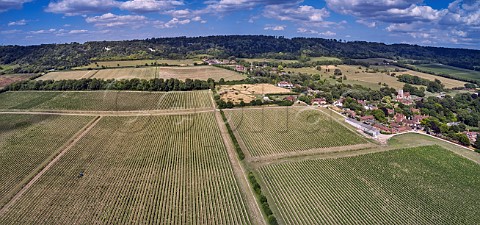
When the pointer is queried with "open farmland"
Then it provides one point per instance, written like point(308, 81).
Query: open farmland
point(424, 185)
point(272, 131)
point(68, 75)
point(175, 170)
point(106, 100)
point(181, 73)
point(451, 71)
point(359, 75)
point(8, 79)
point(248, 92)
point(27, 142)
point(133, 63)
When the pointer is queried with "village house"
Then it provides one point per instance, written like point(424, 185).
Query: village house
point(339, 102)
point(390, 111)
point(350, 113)
point(472, 136)
point(290, 98)
point(368, 118)
point(318, 101)
point(399, 118)
point(240, 68)
point(370, 130)
point(285, 84)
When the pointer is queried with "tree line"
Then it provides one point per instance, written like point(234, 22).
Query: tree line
point(171, 84)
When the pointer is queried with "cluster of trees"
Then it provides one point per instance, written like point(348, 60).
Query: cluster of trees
point(63, 56)
point(263, 200)
point(462, 107)
point(98, 84)
point(257, 102)
point(432, 86)
point(420, 92)
point(433, 124)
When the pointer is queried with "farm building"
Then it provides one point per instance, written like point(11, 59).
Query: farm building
point(285, 84)
point(372, 131)
point(318, 101)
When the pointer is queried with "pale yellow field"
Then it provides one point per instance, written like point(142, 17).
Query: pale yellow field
point(247, 92)
point(181, 73)
point(133, 63)
point(68, 75)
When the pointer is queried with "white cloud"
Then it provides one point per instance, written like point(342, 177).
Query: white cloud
point(306, 31)
point(328, 33)
point(303, 13)
point(18, 23)
point(112, 20)
point(170, 24)
point(10, 31)
point(79, 7)
point(49, 31)
point(370, 24)
point(78, 31)
point(223, 6)
point(149, 5)
point(275, 28)
point(11, 4)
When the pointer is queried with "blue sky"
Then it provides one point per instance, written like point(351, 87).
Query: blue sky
point(422, 22)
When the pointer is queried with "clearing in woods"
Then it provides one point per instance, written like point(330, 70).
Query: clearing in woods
point(422, 185)
point(105, 100)
point(29, 141)
point(181, 73)
point(158, 170)
point(271, 131)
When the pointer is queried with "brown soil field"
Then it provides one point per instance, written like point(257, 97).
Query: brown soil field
point(8, 79)
point(247, 92)
point(68, 75)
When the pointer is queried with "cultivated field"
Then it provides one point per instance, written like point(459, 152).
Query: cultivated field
point(424, 185)
point(247, 92)
point(359, 75)
point(450, 70)
point(173, 170)
point(106, 100)
point(68, 75)
point(27, 142)
point(7, 79)
point(273, 131)
point(133, 63)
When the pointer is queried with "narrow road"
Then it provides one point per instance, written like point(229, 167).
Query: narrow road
point(72, 143)
point(247, 191)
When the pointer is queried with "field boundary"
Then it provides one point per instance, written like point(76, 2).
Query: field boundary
point(109, 113)
point(64, 149)
point(240, 173)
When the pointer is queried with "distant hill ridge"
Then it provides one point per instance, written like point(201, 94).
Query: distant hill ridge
point(63, 56)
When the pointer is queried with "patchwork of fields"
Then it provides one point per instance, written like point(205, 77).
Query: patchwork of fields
point(450, 70)
point(424, 185)
point(181, 73)
point(273, 131)
point(178, 165)
point(106, 100)
point(133, 63)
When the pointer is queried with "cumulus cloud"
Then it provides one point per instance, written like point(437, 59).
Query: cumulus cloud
point(17, 23)
point(275, 27)
point(223, 6)
point(142, 6)
point(11, 4)
point(170, 24)
point(79, 7)
point(112, 20)
point(328, 33)
point(78, 31)
point(306, 31)
point(302, 14)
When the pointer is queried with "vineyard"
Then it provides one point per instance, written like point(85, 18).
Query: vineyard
point(278, 130)
point(105, 100)
point(424, 185)
point(28, 141)
point(148, 170)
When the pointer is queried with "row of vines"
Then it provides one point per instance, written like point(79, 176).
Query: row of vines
point(271, 131)
point(424, 185)
point(147, 170)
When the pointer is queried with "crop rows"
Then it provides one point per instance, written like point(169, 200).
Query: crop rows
point(147, 170)
point(272, 131)
point(106, 100)
point(28, 141)
point(425, 185)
